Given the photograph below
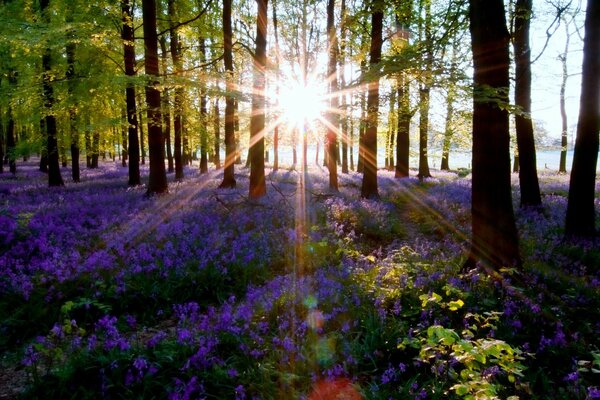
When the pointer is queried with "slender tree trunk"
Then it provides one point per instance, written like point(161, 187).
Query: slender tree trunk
point(230, 144)
point(276, 129)
point(450, 99)
point(203, 117)
point(424, 94)
point(494, 234)
point(142, 135)
point(70, 75)
point(403, 135)
point(369, 188)
point(389, 142)
point(563, 110)
point(528, 179)
point(581, 215)
point(166, 106)
point(88, 141)
point(257, 120)
point(217, 129)
point(95, 148)
point(11, 143)
point(361, 133)
point(332, 115)
point(178, 104)
point(54, 176)
point(127, 34)
point(157, 181)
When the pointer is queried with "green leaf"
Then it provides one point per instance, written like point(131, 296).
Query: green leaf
point(455, 305)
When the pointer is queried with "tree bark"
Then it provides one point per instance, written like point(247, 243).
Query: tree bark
point(157, 181)
point(258, 187)
point(581, 214)
point(494, 234)
point(70, 75)
point(203, 116)
point(332, 115)
point(54, 176)
point(528, 179)
point(564, 141)
point(165, 99)
point(217, 129)
point(178, 103)
point(424, 94)
point(230, 145)
point(369, 188)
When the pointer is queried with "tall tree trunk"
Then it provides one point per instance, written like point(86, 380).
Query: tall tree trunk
point(390, 137)
point(494, 234)
point(563, 110)
point(203, 116)
point(342, 67)
point(276, 129)
point(581, 215)
point(123, 155)
point(361, 133)
point(157, 181)
point(258, 186)
point(87, 137)
point(528, 179)
point(369, 189)
point(133, 149)
point(403, 134)
point(70, 75)
point(332, 115)
point(166, 107)
point(178, 104)
point(425, 92)
point(95, 148)
point(450, 99)
point(217, 129)
point(142, 134)
point(230, 145)
point(54, 176)
point(11, 143)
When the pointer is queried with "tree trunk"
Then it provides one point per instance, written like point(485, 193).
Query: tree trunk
point(203, 116)
point(178, 104)
point(11, 143)
point(166, 107)
point(369, 188)
point(276, 129)
point(95, 148)
point(70, 75)
point(424, 95)
point(528, 179)
point(450, 99)
point(403, 134)
point(391, 133)
point(332, 115)
point(581, 215)
point(54, 176)
point(127, 34)
point(157, 181)
point(258, 187)
point(494, 234)
point(217, 129)
point(563, 110)
point(341, 68)
point(230, 145)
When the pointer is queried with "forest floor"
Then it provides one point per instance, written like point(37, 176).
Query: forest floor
point(303, 294)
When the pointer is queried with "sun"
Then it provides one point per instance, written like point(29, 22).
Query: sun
point(299, 103)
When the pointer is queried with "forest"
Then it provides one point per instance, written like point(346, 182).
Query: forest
point(260, 199)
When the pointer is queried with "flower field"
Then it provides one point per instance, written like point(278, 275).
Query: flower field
point(305, 294)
